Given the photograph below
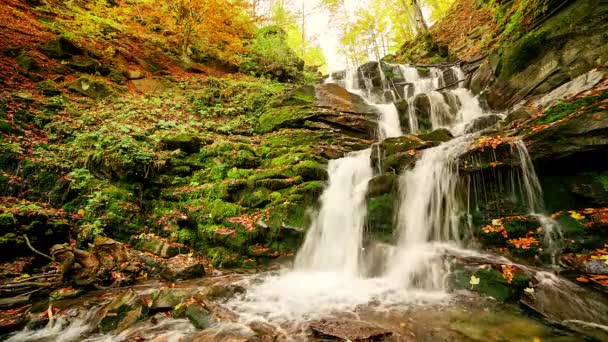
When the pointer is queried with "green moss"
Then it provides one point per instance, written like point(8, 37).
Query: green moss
point(491, 283)
point(380, 214)
point(281, 117)
point(223, 258)
point(563, 109)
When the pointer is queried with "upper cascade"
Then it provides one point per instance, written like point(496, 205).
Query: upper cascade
point(413, 99)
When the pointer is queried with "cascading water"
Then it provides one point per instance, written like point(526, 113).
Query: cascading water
point(333, 242)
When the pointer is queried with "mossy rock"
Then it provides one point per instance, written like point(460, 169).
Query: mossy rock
point(283, 117)
point(491, 283)
point(380, 217)
point(122, 313)
point(301, 96)
point(187, 142)
point(438, 135)
point(383, 184)
point(60, 48)
point(90, 87)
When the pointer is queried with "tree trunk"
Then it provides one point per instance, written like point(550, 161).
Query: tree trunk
point(420, 23)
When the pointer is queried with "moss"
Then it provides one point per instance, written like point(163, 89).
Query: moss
point(563, 109)
point(223, 258)
point(282, 117)
point(380, 214)
point(491, 283)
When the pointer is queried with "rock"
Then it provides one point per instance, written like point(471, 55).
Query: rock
point(61, 48)
point(121, 313)
point(403, 110)
point(380, 217)
point(337, 98)
point(450, 78)
point(349, 330)
point(48, 88)
point(157, 246)
point(222, 291)
point(65, 293)
point(422, 107)
point(117, 77)
point(394, 154)
point(90, 87)
point(481, 79)
point(517, 116)
point(438, 135)
point(86, 65)
point(580, 84)
point(189, 143)
point(132, 74)
point(182, 267)
point(372, 72)
point(168, 298)
point(561, 301)
point(27, 62)
point(198, 316)
point(151, 85)
point(382, 184)
point(582, 133)
point(13, 320)
point(482, 123)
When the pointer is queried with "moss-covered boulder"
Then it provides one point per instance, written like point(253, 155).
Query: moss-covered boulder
point(439, 135)
point(90, 87)
point(121, 313)
point(187, 142)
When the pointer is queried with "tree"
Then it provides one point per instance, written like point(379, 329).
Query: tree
point(216, 28)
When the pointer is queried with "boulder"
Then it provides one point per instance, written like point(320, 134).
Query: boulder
point(517, 116)
point(61, 48)
point(182, 267)
point(199, 316)
point(382, 184)
point(157, 246)
point(482, 123)
point(132, 74)
point(121, 313)
point(90, 87)
point(168, 298)
point(187, 142)
point(438, 135)
point(337, 98)
point(349, 330)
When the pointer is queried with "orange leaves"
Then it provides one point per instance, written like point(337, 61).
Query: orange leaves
point(582, 279)
point(225, 231)
point(507, 272)
point(524, 243)
point(493, 142)
point(247, 220)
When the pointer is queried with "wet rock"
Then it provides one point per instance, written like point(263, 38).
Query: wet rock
point(372, 72)
point(335, 97)
point(450, 78)
point(482, 123)
point(222, 291)
point(182, 267)
point(394, 154)
point(561, 301)
point(13, 319)
point(157, 246)
point(481, 79)
point(168, 298)
point(382, 184)
point(438, 135)
point(90, 87)
point(580, 84)
point(120, 314)
point(198, 316)
point(422, 107)
point(582, 133)
point(517, 116)
point(349, 330)
point(403, 111)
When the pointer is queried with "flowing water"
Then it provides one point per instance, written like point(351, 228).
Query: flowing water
point(332, 272)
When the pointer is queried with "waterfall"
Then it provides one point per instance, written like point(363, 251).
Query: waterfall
point(333, 242)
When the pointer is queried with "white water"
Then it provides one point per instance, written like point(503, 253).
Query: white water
point(333, 242)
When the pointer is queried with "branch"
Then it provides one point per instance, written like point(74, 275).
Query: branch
point(449, 85)
point(34, 249)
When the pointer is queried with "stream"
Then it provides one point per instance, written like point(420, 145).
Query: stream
point(341, 286)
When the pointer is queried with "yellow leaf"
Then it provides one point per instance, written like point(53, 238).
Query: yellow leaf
point(576, 215)
point(536, 339)
point(474, 280)
point(81, 212)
